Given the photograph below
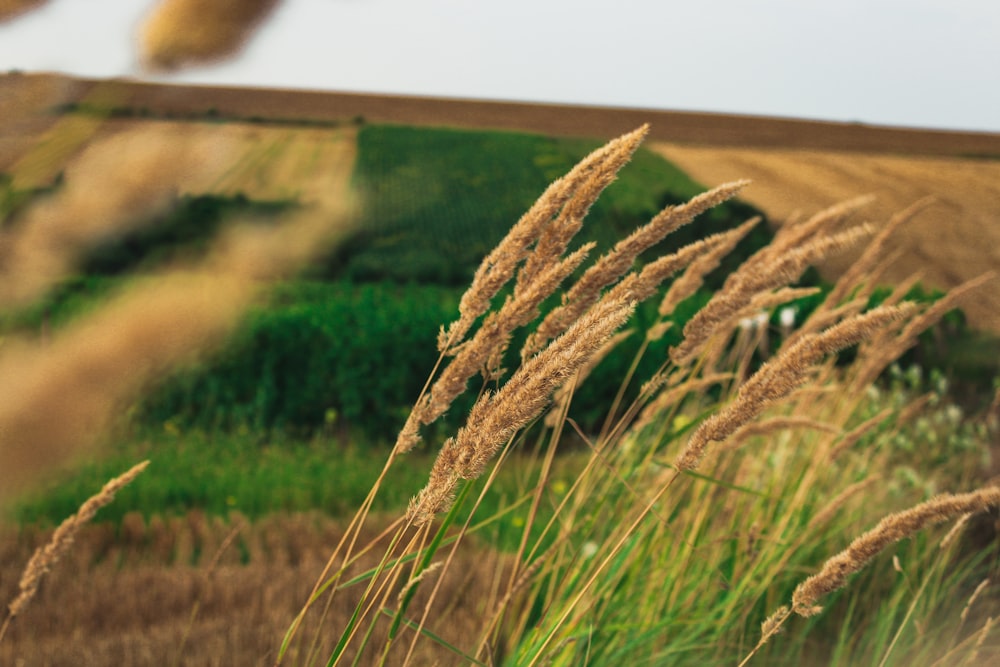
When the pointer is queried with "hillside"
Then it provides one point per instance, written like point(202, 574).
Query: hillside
point(22, 97)
point(286, 140)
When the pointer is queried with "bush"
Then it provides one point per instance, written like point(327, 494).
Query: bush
point(315, 355)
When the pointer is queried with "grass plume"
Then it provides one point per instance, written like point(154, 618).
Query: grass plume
point(46, 558)
point(891, 529)
point(179, 33)
point(11, 9)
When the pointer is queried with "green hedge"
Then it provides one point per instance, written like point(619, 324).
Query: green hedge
point(316, 355)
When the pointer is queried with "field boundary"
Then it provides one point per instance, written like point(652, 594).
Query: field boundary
point(716, 129)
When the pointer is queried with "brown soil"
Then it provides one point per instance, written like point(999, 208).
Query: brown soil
point(602, 122)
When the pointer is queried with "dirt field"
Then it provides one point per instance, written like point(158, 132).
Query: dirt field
point(956, 239)
point(162, 592)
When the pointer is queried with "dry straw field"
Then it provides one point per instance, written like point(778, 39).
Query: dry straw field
point(954, 239)
point(757, 502)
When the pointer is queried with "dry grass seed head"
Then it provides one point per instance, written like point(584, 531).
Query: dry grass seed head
point(763, 271)
point(111, 188)
point(799, 232)
point(782, 374)
point(498, 267)
point(874, 254)
point(10, 9)
point(694, 276)
point(524, 306)
point(62, 539)
point(485, 351)
point(889, 530)
point(183, 32)
point(615, 263)
point(976, 593)
point(563, 395)
point(889, 348)
point(497, 417)
point(556, 237)
point(93, 367)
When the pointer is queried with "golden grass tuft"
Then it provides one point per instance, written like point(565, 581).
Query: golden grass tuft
point(891, 529)
point(496, 418)
point(11, 9)
point(779, 376)
point(46, 558)
point(616, 262)
point(90, 371)
point(179, 33)
point(556, 215)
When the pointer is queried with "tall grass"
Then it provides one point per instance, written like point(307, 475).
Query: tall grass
point(705, 502)
point(750, 481)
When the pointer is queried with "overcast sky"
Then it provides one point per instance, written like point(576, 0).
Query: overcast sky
point(922, 63)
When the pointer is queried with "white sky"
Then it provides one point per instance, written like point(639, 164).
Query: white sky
point(922, 63)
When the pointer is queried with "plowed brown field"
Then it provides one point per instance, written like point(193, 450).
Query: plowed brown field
point(955, 239)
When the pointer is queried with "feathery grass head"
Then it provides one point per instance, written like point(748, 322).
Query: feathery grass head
point(694, 276)
point(765, 270)
point(779, 376)
point(615, 263)
point(185, 32)
point(890, 530)
point(497, 417)
point(569, 198)
point(111, 188)
point(45, 558)
point(10, 9)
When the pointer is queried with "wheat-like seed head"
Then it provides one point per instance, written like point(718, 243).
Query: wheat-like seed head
point(890, 530)
point(783, 373)
point(694, 277)
point(890, 348)
point(10, 9)
point(763, 271)
point(497, 268)
point(614, 264)
point(45, 558)
point(182, 32)
point(873, 254)
point(554, 240)
point(496, 418)
point(485, 351)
